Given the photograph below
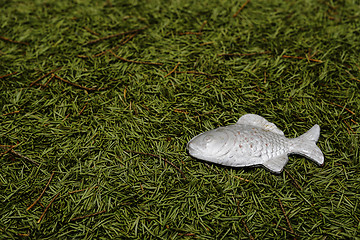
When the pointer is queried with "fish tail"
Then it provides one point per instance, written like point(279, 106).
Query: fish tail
point(306, 145)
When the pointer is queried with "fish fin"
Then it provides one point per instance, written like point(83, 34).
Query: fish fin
point(260, 122)
point(305, 145)
point(276, 164)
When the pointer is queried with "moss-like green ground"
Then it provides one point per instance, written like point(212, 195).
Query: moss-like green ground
point(84, 122)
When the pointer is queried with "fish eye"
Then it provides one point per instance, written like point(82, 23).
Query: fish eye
point(208, 139)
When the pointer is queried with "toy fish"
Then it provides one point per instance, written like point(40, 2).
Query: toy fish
point(254, 141)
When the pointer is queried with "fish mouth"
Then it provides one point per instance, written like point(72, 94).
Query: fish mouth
point(193, 150)
point(190, 148)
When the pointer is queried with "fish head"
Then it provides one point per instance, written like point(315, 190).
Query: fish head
point(211, 145)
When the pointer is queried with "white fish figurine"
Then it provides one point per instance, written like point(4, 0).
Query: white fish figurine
point(254, 141)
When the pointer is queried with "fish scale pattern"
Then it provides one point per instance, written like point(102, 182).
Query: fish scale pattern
point(256, 142)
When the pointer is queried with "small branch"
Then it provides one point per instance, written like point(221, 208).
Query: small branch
point(164, 159)
point(349, 127)
point(66, 117)
point(241, 8)
point(51, 177)
point(243, 221)
point(202, 26)
point(77, 85)
point(91, 31)
point(24, 157)
point(282, 228)
point(10, 113)
point(172, 70)
point(244, 179)
point(17, 153)
point(98, 54)
point(125, 93)
point(287, 219)
point(294, 181)
point(47, 74)
point(24, 234)
point(180, 111)
point(242, 54)
point(48, 81)
point(187, 234)
point(82, 110)
point(352, 76)
point(128, 38)
point(8, 150)
point(115, 35)
point(132, 61)
point(123, 41)
point(358, 67)
point(343, 108)
point(90, 215)
point(302, 58)
point(47, 207)
point(309, 55)
point(4, 76)
point(206, 43)
point(13, 41)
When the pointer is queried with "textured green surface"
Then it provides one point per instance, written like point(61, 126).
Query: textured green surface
point(140, 110)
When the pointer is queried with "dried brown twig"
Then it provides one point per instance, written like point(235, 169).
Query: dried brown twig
point(287, 219)
point(91, 31)
point(10, 113)
point(202, 26)
point(243, 221)
point(301, 58)
point(190, 33)
point(199, 33)
point(43, 76)
point(42, 193)
point(123, 41)
point(172, 70)
point(286, 230)
point(294, 180)
point(9, 149)
point(243, 179)
point(77, 85)
point(338, 105)
point(82, 110)
point(13, 41)
point(115, 35)
point(241, 8)
point(6, 75)
point(47, 207)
